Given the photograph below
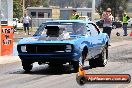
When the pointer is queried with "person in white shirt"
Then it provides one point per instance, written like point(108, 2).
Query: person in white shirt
point(26, 23)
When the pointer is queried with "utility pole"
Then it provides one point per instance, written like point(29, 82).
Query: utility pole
point(93, 9)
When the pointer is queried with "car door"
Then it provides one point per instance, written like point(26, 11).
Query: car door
point(95, 38)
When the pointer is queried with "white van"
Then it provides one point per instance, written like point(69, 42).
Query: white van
point(129, 23)
point(17, 24)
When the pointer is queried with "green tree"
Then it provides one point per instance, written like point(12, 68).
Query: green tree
point(17, 6)
point(45, 3)
point(66, 3)
point(33, 3)
point(89, 3)
point(17, 9)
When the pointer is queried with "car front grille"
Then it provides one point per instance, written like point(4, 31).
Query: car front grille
point(45, 48)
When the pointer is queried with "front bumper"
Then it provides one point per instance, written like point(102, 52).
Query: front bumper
point(54, 57)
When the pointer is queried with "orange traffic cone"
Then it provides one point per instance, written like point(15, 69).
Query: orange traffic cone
point(131, 33)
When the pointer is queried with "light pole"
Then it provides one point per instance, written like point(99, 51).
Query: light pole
point(93, 9)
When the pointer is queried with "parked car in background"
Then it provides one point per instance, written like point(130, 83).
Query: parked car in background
point(129, 23)
point(59, 42)
point(115, 24)
point(85, 18)
point(99, 23)
point(17, 24)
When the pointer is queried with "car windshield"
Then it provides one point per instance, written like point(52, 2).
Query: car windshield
point(73, 28)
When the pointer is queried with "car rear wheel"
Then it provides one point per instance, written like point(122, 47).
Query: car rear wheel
point(92, 62)
point(101, 61)
point(103, 57)
point(27, 66)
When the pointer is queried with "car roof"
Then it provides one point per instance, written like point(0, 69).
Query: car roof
point(80, 21)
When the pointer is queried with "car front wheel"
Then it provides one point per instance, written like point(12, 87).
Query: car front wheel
point(81, 61)
point(27, 66)
point(75, 65)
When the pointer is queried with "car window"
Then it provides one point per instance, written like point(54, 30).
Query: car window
point(40, 30)
point(92, 29)
point(75, 28)
point(79, 28)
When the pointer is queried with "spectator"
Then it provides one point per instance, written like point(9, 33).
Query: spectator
point(26, 23)
point(107, 18)
point(125, 22)
point(74, 15)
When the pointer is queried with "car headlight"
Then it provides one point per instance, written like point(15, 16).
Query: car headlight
point(23, 48)
point(68, 48)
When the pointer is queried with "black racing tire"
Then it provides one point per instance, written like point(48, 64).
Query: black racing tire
point(92, 63)
point(103, 57)
point(75, 65)
point(27, 66)
point(84, 57)
point(101, 61)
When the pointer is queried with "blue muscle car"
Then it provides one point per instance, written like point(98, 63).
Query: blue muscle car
point(65, 41)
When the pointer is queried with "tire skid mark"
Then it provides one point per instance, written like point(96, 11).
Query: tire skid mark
point(52, 81)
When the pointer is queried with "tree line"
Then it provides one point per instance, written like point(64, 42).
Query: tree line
point(101, 5)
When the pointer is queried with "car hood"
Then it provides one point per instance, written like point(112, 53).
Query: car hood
point(43, 39)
